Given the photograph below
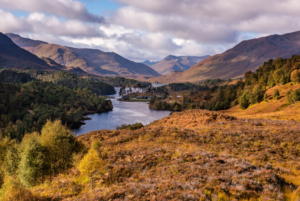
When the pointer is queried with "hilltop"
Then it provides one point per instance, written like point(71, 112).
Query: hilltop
point(89, 60)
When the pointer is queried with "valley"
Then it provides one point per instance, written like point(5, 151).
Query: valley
point(78, 121)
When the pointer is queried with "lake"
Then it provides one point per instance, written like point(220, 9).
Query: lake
point(123, 113)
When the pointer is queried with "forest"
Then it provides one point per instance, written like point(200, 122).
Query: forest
point(245, 92)
point(26, 107)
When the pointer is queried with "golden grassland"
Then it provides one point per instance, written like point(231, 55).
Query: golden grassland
point(192, 155)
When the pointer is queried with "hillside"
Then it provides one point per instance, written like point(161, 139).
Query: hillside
point(90, 60)
point(221, 158)
point(247, 55)
point(173, 63)
point(12, 56)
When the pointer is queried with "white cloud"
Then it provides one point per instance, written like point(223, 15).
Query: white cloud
point(10, 23)
point(42, 24)
point(69, 9)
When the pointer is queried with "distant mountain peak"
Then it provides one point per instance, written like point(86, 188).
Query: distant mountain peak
point(150, 63)
point(176, 63)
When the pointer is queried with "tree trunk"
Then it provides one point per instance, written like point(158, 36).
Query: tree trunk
point(91, 180)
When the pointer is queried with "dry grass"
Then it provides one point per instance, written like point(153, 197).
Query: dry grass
point(244, 159)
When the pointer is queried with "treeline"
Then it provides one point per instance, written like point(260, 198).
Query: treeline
point(119, 81)
point(72, 81)
point(244, 93)
point(26, 107)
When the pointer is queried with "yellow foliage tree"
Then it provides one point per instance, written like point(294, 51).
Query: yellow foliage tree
point(90, 164)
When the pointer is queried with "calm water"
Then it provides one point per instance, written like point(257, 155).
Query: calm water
point(123, 113)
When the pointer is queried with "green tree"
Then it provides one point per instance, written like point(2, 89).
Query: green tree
point(90, 164)
point(276, 94)
point(34, 161)
point(244, 102)
point(60, 142)
point(11, 160)
point(265, 97)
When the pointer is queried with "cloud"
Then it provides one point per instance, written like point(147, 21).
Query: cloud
point(50, 25)
point(139, 46)
point(10, 23)
point(69, 9)
point(210, 21)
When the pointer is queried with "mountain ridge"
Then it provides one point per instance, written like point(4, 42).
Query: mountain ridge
point(73, 57)
point(12, 56)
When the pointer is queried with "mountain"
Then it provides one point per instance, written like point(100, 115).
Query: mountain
point(110, 61)
point(246, 56)
point(150, 63)
point(173, 63)
point(12, 56)
point(90, 60)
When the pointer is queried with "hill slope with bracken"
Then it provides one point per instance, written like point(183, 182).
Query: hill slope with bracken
point(12, 56)
point(173, 63)
point(247, 55)
point(90, 60)
point(197, 155)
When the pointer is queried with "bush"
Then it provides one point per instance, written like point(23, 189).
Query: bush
point(293, 96)
point(130, 126)
point(295, 75)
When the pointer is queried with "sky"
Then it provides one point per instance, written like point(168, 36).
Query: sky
point(149, 29)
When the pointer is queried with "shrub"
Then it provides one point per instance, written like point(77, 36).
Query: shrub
point(130, 126)
point(295, 75)
point(293, 96)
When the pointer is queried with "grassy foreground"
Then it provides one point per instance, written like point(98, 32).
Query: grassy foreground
point(192, 155)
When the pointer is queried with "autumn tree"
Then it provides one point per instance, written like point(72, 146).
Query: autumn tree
point(60, 142)
point(33, 160)
point(90, 164)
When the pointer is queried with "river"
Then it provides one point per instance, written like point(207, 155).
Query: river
point(123, 113)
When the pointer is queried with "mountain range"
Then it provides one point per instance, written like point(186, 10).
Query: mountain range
point(92, 61)
point(173, 63)
point(235, 62)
